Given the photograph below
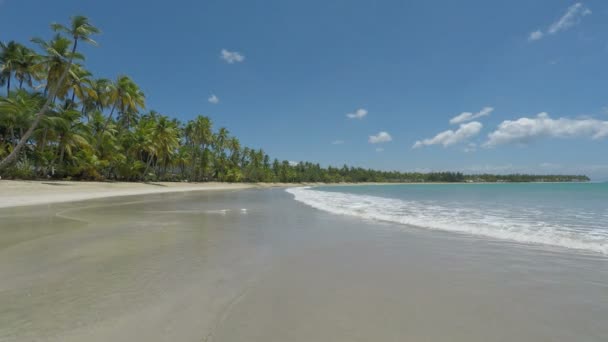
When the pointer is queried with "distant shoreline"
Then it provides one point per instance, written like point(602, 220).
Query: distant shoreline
point(17, 193)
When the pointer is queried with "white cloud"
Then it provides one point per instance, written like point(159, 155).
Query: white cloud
point(213, 99)
point(379, 149)
point(468, 116)
point(573, 16)
point(379, 138)
point(231, 57)
point(293, 163)
point(337, 142)
point(358, 114)
point(525, 130)
point(450, 137)
point(536, 35)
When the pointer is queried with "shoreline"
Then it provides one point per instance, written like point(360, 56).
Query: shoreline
point(18, 193)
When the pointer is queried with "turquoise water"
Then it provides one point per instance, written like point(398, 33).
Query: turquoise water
point(567, 215)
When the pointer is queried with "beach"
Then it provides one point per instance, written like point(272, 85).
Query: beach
point(20, 193)
point(255, 265)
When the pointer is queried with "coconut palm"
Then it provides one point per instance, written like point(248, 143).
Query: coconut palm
point(79, 84)
point(71, 133)
point(18, 60)
point(9, 60)
point(80, 29)
point(125, 96)
point(18, 110)
point(165, 137)
point(28, 68)
point(57, 61)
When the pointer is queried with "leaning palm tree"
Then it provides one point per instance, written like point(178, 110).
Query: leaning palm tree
point(55, 62)
point(18, 111)
point(80, 30)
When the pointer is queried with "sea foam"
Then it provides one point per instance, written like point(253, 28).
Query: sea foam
point(498, 224)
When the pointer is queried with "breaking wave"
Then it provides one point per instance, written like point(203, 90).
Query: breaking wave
point(524, 226)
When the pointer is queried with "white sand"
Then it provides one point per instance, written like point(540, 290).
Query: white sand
point(21, 193)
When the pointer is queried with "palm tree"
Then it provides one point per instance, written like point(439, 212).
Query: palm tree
point(71, 133)
point(125, 96)
point(235, 150)
point(55, 61)
point(28, 67)
point(199, 136)
point(79, 84)
point(165, 138)
point(18, 111)
point(80, 29)
point(9, 59)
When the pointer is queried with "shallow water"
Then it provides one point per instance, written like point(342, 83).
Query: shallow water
point(566, 215)
point(196, 267)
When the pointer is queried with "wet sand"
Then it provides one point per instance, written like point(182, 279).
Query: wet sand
point(194, 266)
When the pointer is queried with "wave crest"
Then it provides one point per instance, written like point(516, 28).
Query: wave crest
point(474, 221)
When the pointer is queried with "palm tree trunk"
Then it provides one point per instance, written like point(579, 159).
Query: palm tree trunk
point(8, 85)
point(73, 98)
point(12, 137)
point(43, 141)
point(105, 125)
point(148, 164)
point(13, 155)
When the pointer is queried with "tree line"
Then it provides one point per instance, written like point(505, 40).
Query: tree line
point(58, 121)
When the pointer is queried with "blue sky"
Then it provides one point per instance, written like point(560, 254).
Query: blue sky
point(405, 68)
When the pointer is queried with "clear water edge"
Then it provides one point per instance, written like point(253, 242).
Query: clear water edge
point(563, 215)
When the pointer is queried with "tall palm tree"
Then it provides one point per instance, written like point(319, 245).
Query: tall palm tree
point(9, 59)
point(71, 133)
point(199, 136)
point(28, 67)
point(80, 29)
point(126, 97)
point(79, 84)
point(165, 137)
point(234, 146)
point(56, 62)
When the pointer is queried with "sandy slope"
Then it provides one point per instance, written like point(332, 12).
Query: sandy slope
point(20, 193)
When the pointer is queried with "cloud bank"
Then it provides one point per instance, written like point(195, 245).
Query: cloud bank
point(451, 137)
point(467, 116)
point(525, 130)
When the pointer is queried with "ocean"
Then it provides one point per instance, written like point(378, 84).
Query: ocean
point(562, 215)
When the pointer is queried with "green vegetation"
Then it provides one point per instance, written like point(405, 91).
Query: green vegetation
point(58, 121)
